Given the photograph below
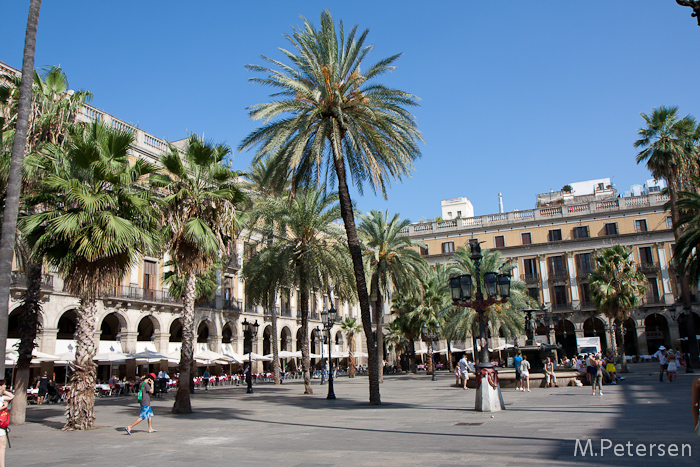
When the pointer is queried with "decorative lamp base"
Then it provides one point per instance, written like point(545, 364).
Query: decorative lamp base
point(488, 398)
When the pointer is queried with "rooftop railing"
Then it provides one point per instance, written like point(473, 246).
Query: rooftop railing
point(542, 213)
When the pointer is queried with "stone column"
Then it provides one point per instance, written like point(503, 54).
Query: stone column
point(129, 341)
point(575, 301)
point(642, 339)
point(162, 341)
point(665, 277)
point(543, 276)
point(215, 344)
point(48, 340)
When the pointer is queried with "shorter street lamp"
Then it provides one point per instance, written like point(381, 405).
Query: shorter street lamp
point(319, 341)
point(547, 321)
point(431, 335)
point(328, 318)
point(488, 397)
point(252, 330)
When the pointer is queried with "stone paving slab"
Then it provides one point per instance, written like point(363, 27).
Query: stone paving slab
point(420, 422)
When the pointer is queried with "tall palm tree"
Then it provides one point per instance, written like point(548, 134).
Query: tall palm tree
point(391, 262)
point(199, 213)
point(350, 327)
point(687, 248)
point(669, 148)
point(616, 288)
point(53, 112)
point(310, 249)
point(462, 323)
point(11, 207)
point(95, 224)
point(328, 117)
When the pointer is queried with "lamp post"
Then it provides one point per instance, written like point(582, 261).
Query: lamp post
point(488, 399)
point(328, 318)
point(431, 335)
point(550, 323)
point(319, 341)
point(252, 330)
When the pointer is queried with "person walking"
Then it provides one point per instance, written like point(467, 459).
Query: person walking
point(598, 374)
point(662, 356)
point(5, 398)
point(516, 364)
point(464, 371)
point(671, 366)
point(206, 380)
point(146, 411)
point(525, 373)
point(42, 384)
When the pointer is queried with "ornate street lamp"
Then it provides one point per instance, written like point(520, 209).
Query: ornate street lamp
point(488, 398)
point(328, 318)
point(431, 335)
point(252, 330)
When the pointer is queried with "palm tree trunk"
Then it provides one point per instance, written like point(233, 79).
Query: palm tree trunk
point(623, 355)
point(449, 357)
point(380, 337)
point(14, 182)
point(685, 285)
point(28, 326)
point(80, 408)
point(351, 354)
point(412, 356)
point(275, 346)
point(429, 360)
point(355, 248)
point(182, 397)
point(304, 305)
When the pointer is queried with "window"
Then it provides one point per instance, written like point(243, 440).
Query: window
point(601, 186)
point(249, 249)
point(530, 269)
point(669, 222)
point(640, 225)
point(534, 293)
point(585, 294)
point(581, 231)
point(150, 270)
point(583, 264)
point(424, 250)
point(646, 258)
point(554, 235)
point(459, 213)
point(449, 214)
point(559, 295)
point(526, 238)
point(654, 189)
point(500, 241)
point(556, 267)
point(448, 247)
point(611, 228)
point(652, 295)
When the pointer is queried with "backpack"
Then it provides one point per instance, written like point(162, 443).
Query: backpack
point(4, 418)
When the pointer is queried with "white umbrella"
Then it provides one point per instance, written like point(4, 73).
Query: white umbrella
point(213, 357)
point(285, 354)
point(148, 355)
point(111, 357)
point(255, 356)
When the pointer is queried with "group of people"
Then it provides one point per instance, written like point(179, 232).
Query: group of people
point(47, 389)
point(669, 363)
point(462, 370)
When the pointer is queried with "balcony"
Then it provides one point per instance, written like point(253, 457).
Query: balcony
point(250, 308)
point(648, 268)
point(232, 305)
point(583, 273)
point(530, 278)
point(139, 293)
point(561, 306)
point(314, 315)
point(286, 312)
point(586, 306)
point(559, 275)
point(269, 310)
point(19, 279)
point(651, 300)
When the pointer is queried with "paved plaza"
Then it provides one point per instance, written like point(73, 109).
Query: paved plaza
point(421, 422)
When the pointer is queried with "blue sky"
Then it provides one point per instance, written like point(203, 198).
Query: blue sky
point(516, 97)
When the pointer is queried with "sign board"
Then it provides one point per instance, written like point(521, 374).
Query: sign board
point(655, 335)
